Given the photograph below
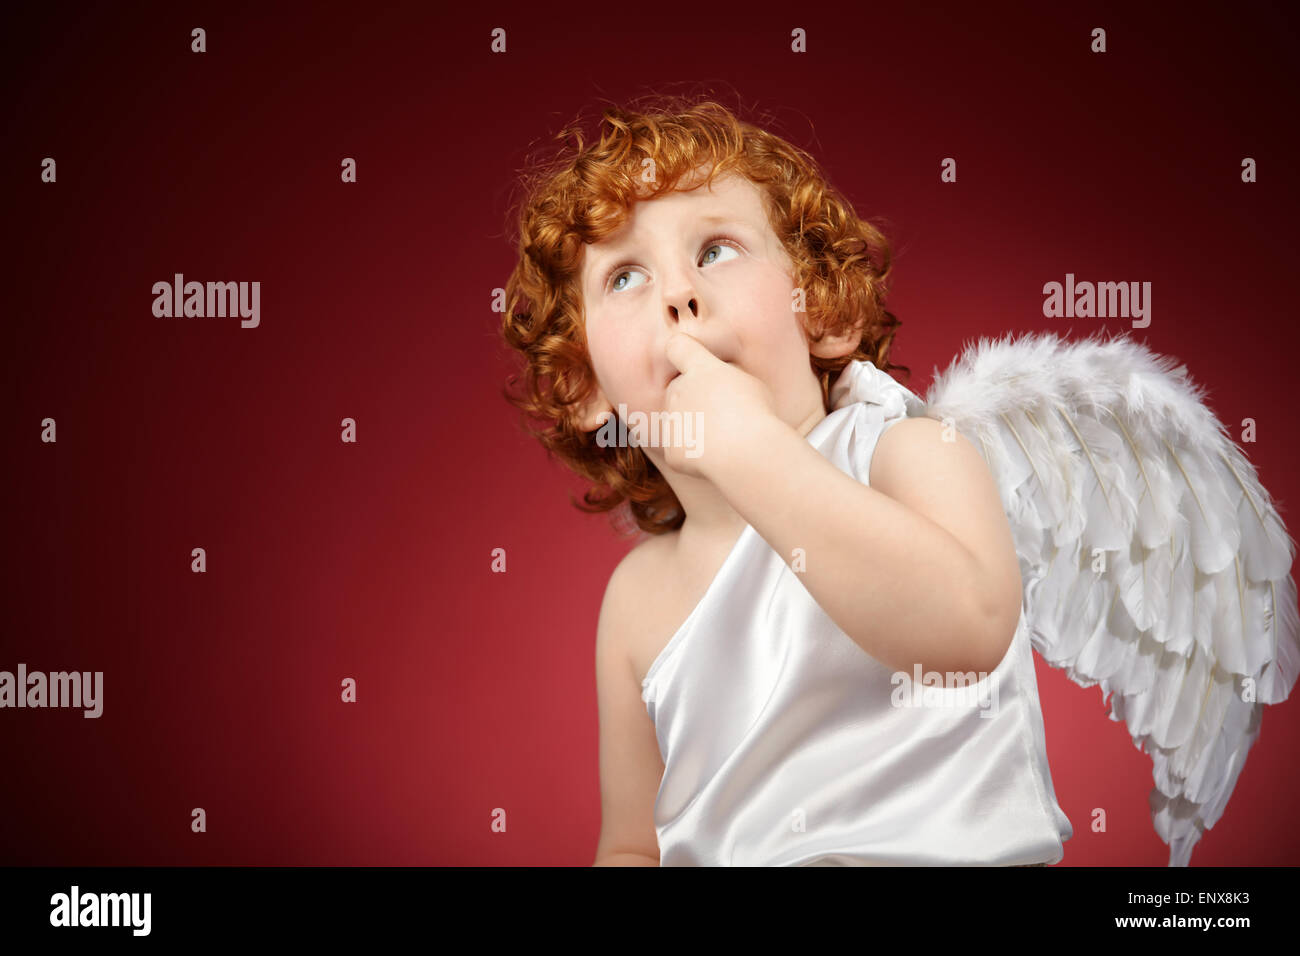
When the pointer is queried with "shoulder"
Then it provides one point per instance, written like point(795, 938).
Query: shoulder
point(632, 579)
point(920, 449)
point(648, 557)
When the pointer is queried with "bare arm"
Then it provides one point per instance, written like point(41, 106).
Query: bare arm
point(919, 566)
point(630, 765)
point(627, 859)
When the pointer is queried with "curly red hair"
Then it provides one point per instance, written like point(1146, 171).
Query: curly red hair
point(586, 192)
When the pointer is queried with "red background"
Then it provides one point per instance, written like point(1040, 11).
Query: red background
point(327, 560)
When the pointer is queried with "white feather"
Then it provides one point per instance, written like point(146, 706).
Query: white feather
point(1279, 675)
point(1105, 451)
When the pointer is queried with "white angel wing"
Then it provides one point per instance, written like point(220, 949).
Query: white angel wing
point(1154, 562)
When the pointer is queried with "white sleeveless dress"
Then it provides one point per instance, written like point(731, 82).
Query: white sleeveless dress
point(784, 743)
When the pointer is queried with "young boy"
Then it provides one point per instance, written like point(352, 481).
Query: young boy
point(800, 567)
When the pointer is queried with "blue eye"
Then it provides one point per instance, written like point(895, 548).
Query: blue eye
point(614, 286)
point(718, 242)
point(720, 245)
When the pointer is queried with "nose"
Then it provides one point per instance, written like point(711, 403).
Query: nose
point(681, 300)
point(685, 303)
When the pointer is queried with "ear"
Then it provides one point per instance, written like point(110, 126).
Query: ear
point(593, 411)
point(834, 346)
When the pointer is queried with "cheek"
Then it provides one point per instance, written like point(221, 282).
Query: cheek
point(603, 360)
point(771, 308)
point(614, 353)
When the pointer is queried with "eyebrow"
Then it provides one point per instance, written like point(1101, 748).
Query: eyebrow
point(597, 266)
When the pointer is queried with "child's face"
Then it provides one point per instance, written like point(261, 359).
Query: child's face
point(726, 282)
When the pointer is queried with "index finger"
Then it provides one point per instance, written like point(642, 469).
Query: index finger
point(685, 351)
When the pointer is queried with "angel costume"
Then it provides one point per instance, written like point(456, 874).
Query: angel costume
point(1153, 564)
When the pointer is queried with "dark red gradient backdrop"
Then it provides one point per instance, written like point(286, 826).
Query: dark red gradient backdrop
point(329, 560)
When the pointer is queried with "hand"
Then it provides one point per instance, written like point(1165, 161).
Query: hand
point(726, 407)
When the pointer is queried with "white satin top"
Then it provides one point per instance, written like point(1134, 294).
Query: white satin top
point(785, 744)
